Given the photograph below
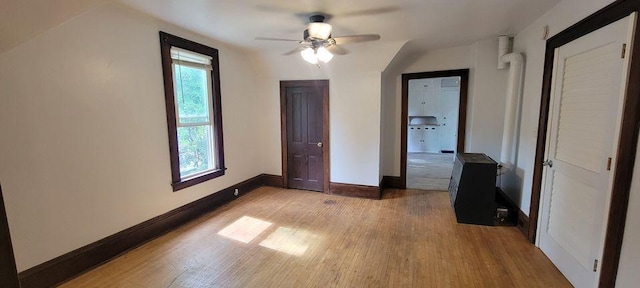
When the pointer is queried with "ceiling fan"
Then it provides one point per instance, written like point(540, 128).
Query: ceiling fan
point(317, 43)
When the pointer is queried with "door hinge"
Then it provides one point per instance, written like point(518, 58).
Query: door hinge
point(595, 265)
point(624, 51)
point(609, 164)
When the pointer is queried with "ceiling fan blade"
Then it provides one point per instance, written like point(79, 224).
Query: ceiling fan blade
point(356, 38)
point(276, 39)
point(294, 51)
point(367, 12)
point(337, 50)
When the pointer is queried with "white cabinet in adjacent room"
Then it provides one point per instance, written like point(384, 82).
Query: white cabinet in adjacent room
point(431, 139)
point(423, 138)
point(423, 97)
point(433, 114)
point(449, 101)
point(415, 139)
point(416, 103)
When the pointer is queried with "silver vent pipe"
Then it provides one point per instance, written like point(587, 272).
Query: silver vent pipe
point(515, 61)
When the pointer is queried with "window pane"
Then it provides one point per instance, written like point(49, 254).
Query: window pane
point(194, 150)
point(191, 94)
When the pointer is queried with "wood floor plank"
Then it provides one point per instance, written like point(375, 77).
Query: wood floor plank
point(305, 239)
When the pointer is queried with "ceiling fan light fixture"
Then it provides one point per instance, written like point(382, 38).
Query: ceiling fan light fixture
point(319, 30)
point(324, 55)
point(318, 44)
point(309, 55)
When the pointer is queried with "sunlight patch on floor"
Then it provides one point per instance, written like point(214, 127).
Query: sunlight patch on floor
point(245, 229)
point(288, 240)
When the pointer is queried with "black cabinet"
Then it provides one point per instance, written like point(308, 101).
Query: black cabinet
point(473, 188)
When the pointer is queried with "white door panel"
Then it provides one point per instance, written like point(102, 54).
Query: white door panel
point(585, 112)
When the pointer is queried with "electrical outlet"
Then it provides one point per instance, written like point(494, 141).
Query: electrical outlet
point(236, 192)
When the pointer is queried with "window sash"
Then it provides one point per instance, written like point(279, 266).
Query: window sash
point(192, 65)
point(189, 56)
point(180, 51)
point(209, 99)
point(211, 145)
point(211, 148)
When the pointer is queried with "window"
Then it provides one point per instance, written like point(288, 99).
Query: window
point(194, 120)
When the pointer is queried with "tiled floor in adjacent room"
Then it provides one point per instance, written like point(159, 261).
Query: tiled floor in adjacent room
point(429, 171)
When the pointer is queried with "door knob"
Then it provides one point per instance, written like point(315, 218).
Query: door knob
point(319, 144)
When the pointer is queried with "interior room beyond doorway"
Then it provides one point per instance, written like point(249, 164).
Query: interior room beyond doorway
point(432, 131)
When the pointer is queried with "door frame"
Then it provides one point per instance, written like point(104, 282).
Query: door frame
point(8, 272)
point(628, 134)
point(404, 122)
point(324, 86)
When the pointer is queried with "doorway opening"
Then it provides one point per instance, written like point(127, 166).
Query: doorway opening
point(433, 118)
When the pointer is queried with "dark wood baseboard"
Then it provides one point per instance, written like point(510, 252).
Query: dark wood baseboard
point(8, 273)
point(74, 263)
point(523, 224)
point(272, 180)
point(352, 190)
point(393, 182)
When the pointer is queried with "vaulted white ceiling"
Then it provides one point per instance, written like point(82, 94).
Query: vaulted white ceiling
point(21, 20)
point(429, 23)
point(432, 23)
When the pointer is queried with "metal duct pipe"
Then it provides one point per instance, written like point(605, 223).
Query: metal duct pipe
point(511, 116)
point(504, 48)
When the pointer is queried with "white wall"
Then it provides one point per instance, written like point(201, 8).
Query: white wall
point(486, 94)
point(408, 61)
point(84, 150)
point(441, 59)
point(390, 108)
point(486, 107)
point(354, 100)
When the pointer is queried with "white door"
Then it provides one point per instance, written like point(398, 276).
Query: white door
point(585, 115)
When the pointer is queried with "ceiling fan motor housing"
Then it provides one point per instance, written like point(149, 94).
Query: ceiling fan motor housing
point(316, 18)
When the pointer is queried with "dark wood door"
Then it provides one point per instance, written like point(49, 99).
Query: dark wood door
point(305, 138)
point(8, 273)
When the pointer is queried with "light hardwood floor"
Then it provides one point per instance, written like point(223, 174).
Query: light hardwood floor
point(274, 237)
